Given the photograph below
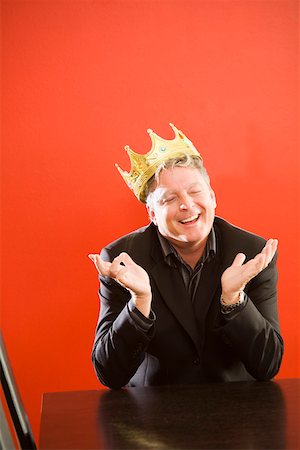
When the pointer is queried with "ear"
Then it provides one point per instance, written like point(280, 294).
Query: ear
point(151, 214)
point(213, 197)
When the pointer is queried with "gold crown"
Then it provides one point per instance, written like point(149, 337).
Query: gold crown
point(143, 167)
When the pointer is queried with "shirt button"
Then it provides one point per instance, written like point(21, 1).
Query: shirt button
point(196, 361)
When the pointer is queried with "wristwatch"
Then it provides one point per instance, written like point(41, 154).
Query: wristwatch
point(226, 309)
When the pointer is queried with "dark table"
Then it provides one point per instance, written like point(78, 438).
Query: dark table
point(240, 415)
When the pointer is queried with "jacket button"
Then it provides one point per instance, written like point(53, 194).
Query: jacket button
point(196, 361)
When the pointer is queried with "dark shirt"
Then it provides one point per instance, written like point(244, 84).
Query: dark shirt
point(191, 277)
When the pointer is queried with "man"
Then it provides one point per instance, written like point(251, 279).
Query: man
point(189, 298)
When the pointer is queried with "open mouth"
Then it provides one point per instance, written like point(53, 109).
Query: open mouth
point(191, 219)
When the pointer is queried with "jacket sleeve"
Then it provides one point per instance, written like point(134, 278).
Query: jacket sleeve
point(253, 331)
point(120, 343)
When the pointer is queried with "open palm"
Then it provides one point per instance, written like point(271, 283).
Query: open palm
point(235, 278)
point(125, 271)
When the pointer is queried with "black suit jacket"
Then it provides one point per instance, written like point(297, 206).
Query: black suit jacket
point(188, 342)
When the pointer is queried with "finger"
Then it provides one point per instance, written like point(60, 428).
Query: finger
point(268, 246)
point(258, 263)
point(123, 259)
point(123, 276)
point(126, 259)
point(252, 268)
point(117, 265)
point(274, 248)
point(269, 251)
point(92, 257)
point(239, 259)
point(261, 260)
point(103, 267)
point(121, 273)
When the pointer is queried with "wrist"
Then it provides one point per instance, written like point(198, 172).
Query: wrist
point(229, 298)
point(143, 303)
point(227, 308)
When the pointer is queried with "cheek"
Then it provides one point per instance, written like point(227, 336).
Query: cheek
point(209, 204)
point(164, 219)
point(170, 221)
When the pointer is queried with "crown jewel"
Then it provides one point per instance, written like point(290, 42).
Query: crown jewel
point(143, 167)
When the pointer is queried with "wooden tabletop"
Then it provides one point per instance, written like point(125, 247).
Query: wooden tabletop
point(239, 415)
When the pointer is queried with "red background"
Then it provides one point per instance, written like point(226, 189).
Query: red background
point(83, 78)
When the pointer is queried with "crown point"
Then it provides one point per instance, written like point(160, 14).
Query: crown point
point(149, 131)
point(173, 127)
point(126, 148)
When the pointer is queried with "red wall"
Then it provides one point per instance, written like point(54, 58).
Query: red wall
point(83, 78)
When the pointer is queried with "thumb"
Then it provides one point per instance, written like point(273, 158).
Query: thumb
point(126, 259)
point(239, 259)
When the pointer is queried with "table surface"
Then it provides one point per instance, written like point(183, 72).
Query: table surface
point(236, 415)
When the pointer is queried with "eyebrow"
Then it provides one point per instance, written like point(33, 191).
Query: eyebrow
point(172, 191)
point(161, 193)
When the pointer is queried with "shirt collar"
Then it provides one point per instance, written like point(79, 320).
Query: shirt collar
point(168, 249)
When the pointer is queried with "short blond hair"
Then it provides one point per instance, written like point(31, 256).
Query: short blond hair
point(181, 161)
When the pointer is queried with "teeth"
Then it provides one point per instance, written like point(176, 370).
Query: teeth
point(190, 219)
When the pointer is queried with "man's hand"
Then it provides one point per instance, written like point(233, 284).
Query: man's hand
point(235, 278)
point(129, 275)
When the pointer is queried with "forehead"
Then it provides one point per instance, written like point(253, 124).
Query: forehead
point(179, 178)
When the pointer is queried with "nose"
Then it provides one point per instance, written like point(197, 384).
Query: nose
point(186, 202)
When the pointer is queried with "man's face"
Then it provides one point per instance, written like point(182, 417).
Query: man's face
point(183, 207)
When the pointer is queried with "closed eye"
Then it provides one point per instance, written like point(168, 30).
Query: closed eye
point(195, 192)
point(169, 199)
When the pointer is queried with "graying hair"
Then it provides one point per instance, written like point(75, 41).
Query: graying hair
point(181, 161)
